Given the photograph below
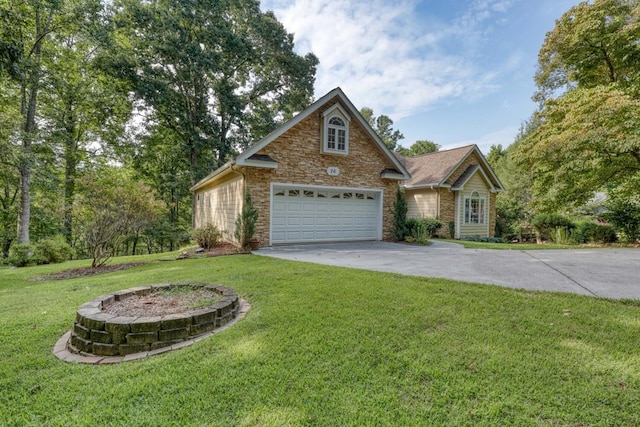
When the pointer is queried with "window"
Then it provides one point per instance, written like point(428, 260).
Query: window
point(336, 131)
point(474, 208)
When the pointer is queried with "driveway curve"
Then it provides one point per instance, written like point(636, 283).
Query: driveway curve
point(606, 273)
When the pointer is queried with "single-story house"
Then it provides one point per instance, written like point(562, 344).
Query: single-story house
point(325, 175)
point(457, 186)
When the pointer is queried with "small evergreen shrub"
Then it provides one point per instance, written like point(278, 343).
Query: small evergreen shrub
point(246, 222)
point(53, 250)
point(400, 216)
point(208, 236)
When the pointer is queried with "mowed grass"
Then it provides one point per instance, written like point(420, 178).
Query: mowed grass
point(325, 346)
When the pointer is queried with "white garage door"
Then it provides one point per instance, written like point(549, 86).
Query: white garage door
point(315, 214)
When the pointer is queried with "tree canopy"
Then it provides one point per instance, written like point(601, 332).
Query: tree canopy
point(383, 126)
point(422, 146)
point(588, 125)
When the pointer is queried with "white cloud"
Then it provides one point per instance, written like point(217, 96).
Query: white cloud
point(386, 56)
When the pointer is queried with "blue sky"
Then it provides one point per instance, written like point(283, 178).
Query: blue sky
point(455, 72)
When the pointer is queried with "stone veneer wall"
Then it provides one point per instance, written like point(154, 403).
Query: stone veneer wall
point(98, 333)
point(300, 161)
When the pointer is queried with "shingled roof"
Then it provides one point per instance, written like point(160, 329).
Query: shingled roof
point(434, 169)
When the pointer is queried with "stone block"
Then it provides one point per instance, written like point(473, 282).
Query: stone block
point(163, 344)
point(102, 337)
point(173, 334)
point(141, 290)
point(142, 337)
point(105, 349)
point(125, 349)
point(119, 338)
point(203, 328)
point(203, 316)
point(92, 323)
point(81, 344)
point(81, 331)
point(175, 321)
point(146, 324)
point(119, 325)
point(122, 295)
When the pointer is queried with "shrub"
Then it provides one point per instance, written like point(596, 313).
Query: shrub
point(208, 236)
point(590, 232)
point(22, 255)
point(400, 216)
point(246, 222)
point(624, 215)
point(53, 250)
point(552, 227)
point(421, 229)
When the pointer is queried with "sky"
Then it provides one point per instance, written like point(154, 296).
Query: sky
point(455, 72)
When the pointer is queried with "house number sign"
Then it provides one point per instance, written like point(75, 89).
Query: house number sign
point(333, 171)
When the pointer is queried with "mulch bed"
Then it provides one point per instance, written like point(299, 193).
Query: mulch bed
point(218, 250)
point(89, 271)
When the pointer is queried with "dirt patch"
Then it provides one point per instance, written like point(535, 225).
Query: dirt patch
point(171, 301)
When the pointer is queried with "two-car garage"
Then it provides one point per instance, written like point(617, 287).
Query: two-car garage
point(304, 213)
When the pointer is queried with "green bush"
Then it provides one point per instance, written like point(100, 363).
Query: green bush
point(590, 232)
point(554, 227)
point(422, 229)
point(208, 236)
point(22, 255)
point(246, 222)
point(624, 215)
point(53, 250)
point(400, 228)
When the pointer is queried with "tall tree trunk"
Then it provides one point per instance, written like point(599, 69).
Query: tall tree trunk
point(31, 84)
point(29, 109)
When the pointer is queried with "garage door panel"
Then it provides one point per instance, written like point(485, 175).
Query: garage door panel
point(302, 214)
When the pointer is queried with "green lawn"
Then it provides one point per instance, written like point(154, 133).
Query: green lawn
point(325, 346)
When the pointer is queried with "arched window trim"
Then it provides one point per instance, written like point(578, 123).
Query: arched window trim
point(475, 209)
point(336, 135)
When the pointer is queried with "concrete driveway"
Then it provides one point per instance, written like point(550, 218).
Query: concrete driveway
point(608, 273)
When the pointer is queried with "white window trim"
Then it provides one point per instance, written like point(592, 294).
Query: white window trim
point(339, 112)
point(466, 214)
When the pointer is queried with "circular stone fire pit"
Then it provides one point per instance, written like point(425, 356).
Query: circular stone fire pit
point(98, 333)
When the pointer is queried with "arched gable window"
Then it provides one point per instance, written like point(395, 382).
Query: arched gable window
point(336, 134)
point(336, 131)
point(474, 209)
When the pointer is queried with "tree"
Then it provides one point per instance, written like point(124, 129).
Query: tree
point(423, 146)
point(113, 208)
point(586, 139)
point(383, 126)
point(592, 44)
point(215, 74)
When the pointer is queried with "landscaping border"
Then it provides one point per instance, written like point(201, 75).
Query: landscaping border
point(99, 337)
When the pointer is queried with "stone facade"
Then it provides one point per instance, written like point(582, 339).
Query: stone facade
point(301, 161)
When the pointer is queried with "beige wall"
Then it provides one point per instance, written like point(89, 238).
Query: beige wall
point(219, 204)
point(300, 161)
point(475, 183)
point(422, 203)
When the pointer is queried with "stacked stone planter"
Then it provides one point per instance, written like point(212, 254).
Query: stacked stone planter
point(98, 333)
